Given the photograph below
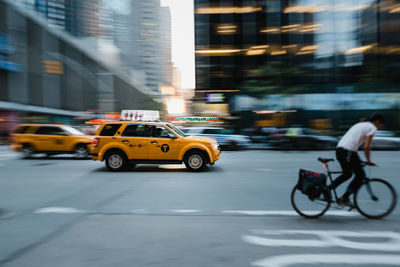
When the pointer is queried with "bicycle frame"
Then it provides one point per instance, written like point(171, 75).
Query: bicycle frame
point(365, 180)
point(330, 179)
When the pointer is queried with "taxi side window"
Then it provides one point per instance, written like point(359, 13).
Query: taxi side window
point(160, 132)
point(21, 130)
point(110, 129)
point(50, 130)
point(135, 130)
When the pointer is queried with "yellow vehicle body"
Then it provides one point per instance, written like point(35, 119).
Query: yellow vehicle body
point(137, 142)
point(49, 138)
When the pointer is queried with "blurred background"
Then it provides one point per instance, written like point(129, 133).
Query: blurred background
point(265, 70)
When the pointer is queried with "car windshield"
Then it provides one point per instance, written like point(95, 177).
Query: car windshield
point(225, 131)
point(72, 130)
point(177, 130)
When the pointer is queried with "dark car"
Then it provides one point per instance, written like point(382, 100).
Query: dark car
point(297, 138)
point(385, 140)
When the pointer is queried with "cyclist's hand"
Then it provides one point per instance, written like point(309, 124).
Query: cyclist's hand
point(370, 163)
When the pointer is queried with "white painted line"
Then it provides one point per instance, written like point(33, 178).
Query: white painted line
point(265, 170)
point(357, 259)
point(285, 212)
point(62, 210)
point(327, 238)
point(185, 211)
point(262, 212)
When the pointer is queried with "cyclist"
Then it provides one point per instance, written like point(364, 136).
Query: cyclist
point(346, 154)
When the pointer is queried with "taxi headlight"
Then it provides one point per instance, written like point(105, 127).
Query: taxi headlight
point(215, 146)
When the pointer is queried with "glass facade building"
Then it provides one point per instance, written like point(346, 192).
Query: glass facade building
point(262, 47)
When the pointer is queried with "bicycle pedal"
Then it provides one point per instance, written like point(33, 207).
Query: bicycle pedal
point(351, 208)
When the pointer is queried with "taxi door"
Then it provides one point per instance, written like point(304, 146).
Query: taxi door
point(50, 138)
point(163, 144)
point(135, 139)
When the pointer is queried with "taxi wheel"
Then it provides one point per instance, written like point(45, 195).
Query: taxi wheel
point(116, 161)
point(195, 161)
point(81, 151)
point(27, 151)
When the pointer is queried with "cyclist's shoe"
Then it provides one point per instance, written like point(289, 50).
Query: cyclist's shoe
point(344, 202)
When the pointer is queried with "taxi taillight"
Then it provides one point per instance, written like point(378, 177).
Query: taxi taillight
point(95, 142)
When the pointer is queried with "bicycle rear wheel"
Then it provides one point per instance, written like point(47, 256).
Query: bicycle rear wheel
point(308, 208)
point(375, 199)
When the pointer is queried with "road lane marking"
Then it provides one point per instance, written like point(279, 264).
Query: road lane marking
point(265, 170)
point(388, 242)
point(61, 210)
point(327, 239)
point(185, 211)
point(358, 259)
point(285, 213)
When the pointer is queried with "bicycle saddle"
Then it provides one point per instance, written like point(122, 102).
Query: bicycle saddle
point(325, 160)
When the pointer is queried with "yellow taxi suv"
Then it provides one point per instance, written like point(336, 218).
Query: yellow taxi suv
point(50, 139)
point(124, 144)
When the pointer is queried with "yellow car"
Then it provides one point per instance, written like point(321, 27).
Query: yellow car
point(125, 143)
point(50, 139)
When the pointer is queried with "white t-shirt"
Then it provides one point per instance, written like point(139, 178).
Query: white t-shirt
point(356, 135)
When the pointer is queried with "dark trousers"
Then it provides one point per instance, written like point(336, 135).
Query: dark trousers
point(350, 163)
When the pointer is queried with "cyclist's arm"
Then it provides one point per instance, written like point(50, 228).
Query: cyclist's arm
point(367, 149)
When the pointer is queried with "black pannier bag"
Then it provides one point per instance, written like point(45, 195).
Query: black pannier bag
point(311, 183)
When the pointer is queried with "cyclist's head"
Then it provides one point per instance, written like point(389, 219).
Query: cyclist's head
point(376, 119)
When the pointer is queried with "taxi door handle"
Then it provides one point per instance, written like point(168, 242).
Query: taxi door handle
point(125, 141)
point(154, 142)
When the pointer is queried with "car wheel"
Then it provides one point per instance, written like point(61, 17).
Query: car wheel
point(195, 161)
point(27, 151)
point(116, 161)
point(81, 151)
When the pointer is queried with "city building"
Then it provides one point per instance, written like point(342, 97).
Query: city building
point(142, 32)
point(273, 48)
point(47, 75)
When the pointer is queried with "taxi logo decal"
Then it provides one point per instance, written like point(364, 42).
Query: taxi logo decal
point(59, 142)
point(165, 148)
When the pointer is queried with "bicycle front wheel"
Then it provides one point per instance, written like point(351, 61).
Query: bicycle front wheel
point(308, 208)
point(375, 199)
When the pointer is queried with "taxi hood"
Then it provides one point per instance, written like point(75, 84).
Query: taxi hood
point(201, 139)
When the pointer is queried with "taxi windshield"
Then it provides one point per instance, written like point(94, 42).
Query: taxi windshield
point(176, 130)
point(72, 130)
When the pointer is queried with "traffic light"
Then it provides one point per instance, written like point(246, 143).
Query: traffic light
point(53, 67)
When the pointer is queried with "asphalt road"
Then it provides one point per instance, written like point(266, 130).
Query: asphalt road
point(65, 212)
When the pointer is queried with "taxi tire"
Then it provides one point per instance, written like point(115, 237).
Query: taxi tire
point(27, 151)
point(114, 155)
point(193, 157)
point(81, 151)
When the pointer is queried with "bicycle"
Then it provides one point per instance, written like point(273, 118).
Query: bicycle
point(375, 199)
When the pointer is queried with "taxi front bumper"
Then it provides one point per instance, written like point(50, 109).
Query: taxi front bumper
point(216, 154)
point(16, 147)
